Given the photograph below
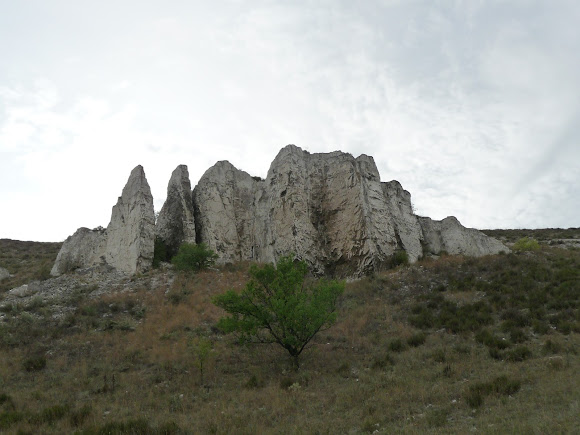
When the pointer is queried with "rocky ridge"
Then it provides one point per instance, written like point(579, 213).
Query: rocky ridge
point(128, 242)
point(329, 209)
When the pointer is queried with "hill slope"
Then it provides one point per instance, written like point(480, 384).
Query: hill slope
point(448, 345)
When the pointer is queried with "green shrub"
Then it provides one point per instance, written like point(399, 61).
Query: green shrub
point(441, 313)
point(194, 258)
point(6, 403)
point(399, 258)
point(551, 347)
point(474, 398)
point(517, 335)
point(540, 326)
point(519, 353)
point(279, 305)
point(500, 386)
point(159, 252)
point(79, 416)
point(437, 417)
point(526, 244)
point(487, 338)
point(34, 363)
point(439, 355)
point(397, 345)
point(381, 362)
point(138, 426)
point(49, 415)
point(8, 418)
point(253, 382)
point(417, 339)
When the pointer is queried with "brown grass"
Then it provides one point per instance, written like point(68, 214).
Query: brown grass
point(26, 261)
point(349, 380)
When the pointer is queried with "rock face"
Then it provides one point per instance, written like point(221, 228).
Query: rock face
point(448, 235)
point(330, 209)
point(225, 212)
point(131, 232)
point(4, 273)
point(126, 244)
point(175, 223)
point(83, 249)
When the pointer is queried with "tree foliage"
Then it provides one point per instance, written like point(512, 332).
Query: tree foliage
point(280, 305)
point(201, 348)
point(159, 252)
point(194, 257)
point(526, 244)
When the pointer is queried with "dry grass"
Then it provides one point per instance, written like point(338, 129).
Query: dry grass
point(26, 261)
point(544, 235)
point(126, 365)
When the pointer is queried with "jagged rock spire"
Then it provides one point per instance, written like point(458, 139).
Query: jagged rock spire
point(175, 223)
point(329, 209)
point(126, 244)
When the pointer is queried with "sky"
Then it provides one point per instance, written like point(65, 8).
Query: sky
point(473, 105)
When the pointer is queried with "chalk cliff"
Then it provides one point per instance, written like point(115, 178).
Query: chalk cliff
point(126, 244)
point(329, 209)
point(175, 223)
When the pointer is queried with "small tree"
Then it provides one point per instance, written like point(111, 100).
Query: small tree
point(194, 257)
point(201, 348)
point(279, 305)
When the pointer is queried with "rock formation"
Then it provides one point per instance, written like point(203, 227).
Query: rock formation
point(175, 223)
point(131, 232)
point(331, 210)
point(126, 244)
point(448, 235)
point(4, 273)
point(83, 249)
point(225, 212)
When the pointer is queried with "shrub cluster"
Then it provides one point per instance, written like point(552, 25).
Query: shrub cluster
point(500, 386)
point(192, 257)
point(526, 244)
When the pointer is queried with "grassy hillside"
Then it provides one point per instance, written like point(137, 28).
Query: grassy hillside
point(26, 261)
point(451, 345)
point(545, 235)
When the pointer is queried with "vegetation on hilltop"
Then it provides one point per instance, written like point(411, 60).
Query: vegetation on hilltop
point(542, 235)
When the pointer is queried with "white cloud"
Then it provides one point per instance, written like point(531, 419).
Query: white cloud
point(471, 105)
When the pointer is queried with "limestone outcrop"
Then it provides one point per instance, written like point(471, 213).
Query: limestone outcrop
point(131, 232)
point(4, 274)
point(126, 244)
point(448, 235)
point(225, 212)
point(175, 223)
point(84, 248)
point(329, 209)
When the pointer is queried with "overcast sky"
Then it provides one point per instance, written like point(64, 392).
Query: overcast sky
point(474, 106)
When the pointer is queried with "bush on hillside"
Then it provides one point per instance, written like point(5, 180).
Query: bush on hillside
point(194, 258)
point(279, 306)
point(526, 244)
point(159, 252)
